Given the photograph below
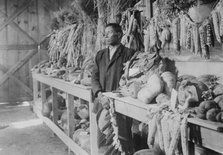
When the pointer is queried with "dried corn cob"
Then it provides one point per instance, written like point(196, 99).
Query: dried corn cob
point(165, 131)
point(215, 18)
point(159, 131)
point(221, 21)
point(146, 39)
point(197, 46)
point(176, 136)
point(183, 33)
point(205, 52)
point(188, 38)
point(192, 48)
point(210, 37)
point(152, 31)
point(184, 136)
point(152, 132)
point(175, 26)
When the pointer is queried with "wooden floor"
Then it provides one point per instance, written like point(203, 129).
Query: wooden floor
point(22, 133)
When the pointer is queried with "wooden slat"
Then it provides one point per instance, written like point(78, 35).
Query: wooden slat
point(18, 47)
point(80, 91)
point(131, 101)
point(69, 142)
point(17, 28)
point(35, 90)
point(70, 117)
point(207, 124)
point(15, 14)
point(16, 66)
point(208, 138)
point(55, 106)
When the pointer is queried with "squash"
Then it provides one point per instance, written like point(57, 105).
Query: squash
point(46, 109)
point(162, 99)
point(169, 82)
point(218, 90)
point(219, 101)
point(207, 105)
point(219, 117)
point(151, 89)
point(212, 113)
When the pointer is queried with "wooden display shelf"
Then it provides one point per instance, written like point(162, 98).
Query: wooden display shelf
point(82, 92)
point(207, 134)
point(131, 107)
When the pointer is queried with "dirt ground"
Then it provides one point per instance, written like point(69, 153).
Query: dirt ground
point(22, 133)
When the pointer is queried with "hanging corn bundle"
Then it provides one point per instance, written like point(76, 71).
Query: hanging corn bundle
point(216, 23)
point(57, 43)
point(101, 7)
point(73, 47)
point(132, 37)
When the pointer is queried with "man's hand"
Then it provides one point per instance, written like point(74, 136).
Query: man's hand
point(103, 100)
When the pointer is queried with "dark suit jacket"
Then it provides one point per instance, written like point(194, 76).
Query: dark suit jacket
point(106, 74)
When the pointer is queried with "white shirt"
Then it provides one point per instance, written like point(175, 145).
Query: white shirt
point(112, 50)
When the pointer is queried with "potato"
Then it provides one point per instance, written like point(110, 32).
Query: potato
point(212, 113)
point(219, 101)
point(219, 117)
point(218, 90)
point(206, 105)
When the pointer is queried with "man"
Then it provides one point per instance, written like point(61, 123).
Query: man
point(108, 69)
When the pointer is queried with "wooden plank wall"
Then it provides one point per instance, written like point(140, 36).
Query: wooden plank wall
point(35, 21)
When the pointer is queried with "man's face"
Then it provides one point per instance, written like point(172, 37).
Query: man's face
point(112, 37)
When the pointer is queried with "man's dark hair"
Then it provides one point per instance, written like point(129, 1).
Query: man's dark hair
point(117, 28)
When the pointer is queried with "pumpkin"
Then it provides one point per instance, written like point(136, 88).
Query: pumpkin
point(46, 109)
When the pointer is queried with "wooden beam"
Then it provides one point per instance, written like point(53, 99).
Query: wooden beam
point(19, 47)
point(15, 14)
point(17, 28)
point(16, 66)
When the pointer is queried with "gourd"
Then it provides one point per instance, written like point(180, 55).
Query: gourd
point(151, 89)
point(169, 82)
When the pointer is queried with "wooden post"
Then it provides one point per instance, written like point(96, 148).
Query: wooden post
point(43, 94)
point(35, 93)
point(55, 105)
point(70, 117)
point(93, 129)
point(149, 9)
